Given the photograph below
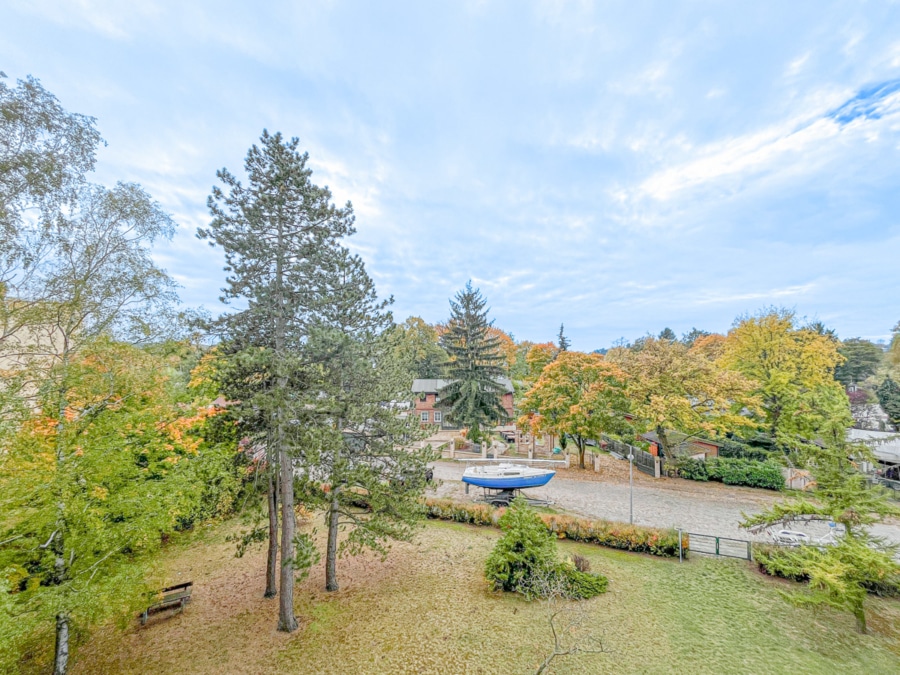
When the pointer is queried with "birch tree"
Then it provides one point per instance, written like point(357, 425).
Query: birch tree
point(95, 280)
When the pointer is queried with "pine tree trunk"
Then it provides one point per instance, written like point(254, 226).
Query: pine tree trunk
point(272, 562)
point(287, 622)
point(61, 657)
point(331, 583)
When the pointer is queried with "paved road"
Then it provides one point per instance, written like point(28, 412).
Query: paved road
point(715, 510)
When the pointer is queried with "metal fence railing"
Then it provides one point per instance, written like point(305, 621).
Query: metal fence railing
point(643, 460)
point(720, 546)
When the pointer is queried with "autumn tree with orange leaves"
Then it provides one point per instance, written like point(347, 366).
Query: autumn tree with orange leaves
point(579, 395)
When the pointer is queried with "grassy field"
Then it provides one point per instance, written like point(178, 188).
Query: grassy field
point(426, 609)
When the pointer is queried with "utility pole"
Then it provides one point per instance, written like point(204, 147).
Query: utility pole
point(631, 487)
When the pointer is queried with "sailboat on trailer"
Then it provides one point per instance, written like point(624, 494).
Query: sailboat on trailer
point(507, 476)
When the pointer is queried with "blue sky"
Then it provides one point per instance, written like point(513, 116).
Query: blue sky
point(619, 167)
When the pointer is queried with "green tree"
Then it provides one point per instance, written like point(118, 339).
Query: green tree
point(562, 340)
point(419, 346)
point(135, 469)
point(473, 396)
point(580, 396)
point(95, 278)
point(838, 575)
point(364, 472)
point(44, 153)
point(667, 334)
point(280, 235)
point(861, 360)
point(889, 397)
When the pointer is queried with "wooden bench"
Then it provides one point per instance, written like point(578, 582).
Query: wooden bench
point(173, 597)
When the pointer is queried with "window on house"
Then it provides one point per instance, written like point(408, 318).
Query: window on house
point(437, 416)
point(424, 415)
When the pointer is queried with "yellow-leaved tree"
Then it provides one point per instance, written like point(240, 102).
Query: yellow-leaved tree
point(792, 369)
point(672, 387)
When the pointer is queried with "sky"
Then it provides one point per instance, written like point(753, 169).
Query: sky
point(618, 167)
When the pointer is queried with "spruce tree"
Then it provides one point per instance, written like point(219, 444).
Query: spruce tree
point(279, 235)
point(889, 397)
point(473, 397)
point(564, 343)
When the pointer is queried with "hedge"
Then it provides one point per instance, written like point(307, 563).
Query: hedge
point(635, 538)
point(734, 449)
point(732, 471)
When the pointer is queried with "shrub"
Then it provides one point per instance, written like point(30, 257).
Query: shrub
point(461, 512)
point(734, 449)
point(733, 471)
point(692, 469)
point(622, 536)
point(524, 552)
point(579, 585)
point(524, 561)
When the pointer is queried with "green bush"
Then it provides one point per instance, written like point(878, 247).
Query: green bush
point(732, 471)
point(635, 538)
point(692, 469)
point(734, 449)
point(580, 585)
point(525, 550)
point(524, 560)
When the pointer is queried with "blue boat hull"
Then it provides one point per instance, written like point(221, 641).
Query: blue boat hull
point(510, 483)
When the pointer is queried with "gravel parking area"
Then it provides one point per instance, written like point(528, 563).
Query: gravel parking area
point(704, 508)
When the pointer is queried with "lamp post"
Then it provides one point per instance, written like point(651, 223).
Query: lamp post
point(631, 488)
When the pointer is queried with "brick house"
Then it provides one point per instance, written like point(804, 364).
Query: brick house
point(428, 404)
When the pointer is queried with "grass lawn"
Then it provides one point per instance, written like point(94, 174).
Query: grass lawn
point(426, 609)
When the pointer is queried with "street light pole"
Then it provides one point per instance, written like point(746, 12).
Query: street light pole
point(631, 488)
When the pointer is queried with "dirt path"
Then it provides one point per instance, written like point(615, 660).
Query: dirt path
point(705, 508)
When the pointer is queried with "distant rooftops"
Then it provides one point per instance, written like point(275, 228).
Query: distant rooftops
point(433, 386)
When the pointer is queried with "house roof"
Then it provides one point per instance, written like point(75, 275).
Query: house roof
point(885, 444)
point(433, 386)
point(677, 438)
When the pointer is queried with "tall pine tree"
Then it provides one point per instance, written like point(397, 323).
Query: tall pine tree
point(363, 457)
point(473, 398)
point(280, 234)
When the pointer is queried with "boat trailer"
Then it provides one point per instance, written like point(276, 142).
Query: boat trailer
point(503, 497)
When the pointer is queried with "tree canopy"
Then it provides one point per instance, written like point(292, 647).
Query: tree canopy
point(793, 373)
point(579, 395)
point(672, 387)
point(861, 360)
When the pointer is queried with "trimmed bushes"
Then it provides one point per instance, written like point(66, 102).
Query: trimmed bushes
point(461, 512)
point(733, 449)
point(732, 471)
point(635, 538)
